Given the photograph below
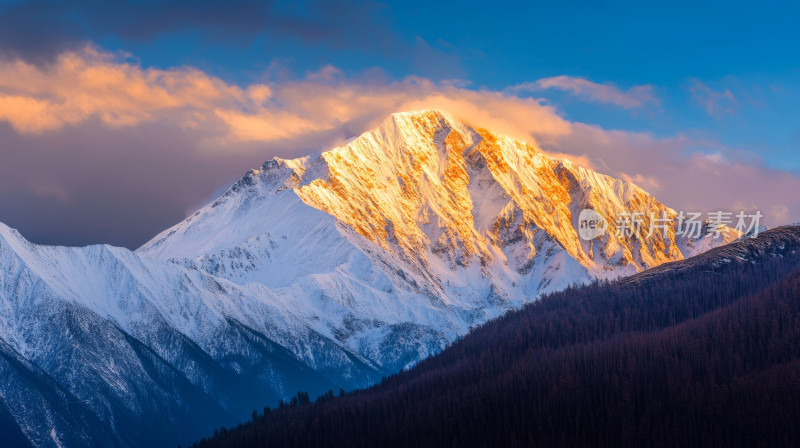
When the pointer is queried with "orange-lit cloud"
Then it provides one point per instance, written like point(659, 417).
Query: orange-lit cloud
point(163, 141)
point(90, 84)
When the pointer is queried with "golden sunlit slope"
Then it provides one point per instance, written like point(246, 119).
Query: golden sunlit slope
point(397, 242)
point(423, 183)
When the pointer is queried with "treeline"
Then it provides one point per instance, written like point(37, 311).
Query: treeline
point(699, 354)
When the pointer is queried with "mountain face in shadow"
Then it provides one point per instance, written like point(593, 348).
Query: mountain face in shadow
point(703, 352)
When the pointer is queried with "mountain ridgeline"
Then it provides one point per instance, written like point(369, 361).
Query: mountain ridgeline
point(311, 274)
point(697, 353)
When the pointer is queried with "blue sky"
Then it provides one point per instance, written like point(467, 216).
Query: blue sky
point(751, 50)
point(722, 76)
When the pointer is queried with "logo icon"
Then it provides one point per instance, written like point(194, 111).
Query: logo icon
point(591, 224)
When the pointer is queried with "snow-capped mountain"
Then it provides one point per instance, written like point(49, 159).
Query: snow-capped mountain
point(307, 274)
point(120, 342)
point(424, 214)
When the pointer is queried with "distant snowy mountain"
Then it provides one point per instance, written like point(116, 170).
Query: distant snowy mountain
point(121, 342)
point(307, 274)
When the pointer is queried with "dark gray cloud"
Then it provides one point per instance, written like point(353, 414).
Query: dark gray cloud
point(40, 29)
point(37, 31)
point(90, 184)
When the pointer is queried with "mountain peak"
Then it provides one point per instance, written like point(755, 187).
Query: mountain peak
point(425, 184)
point(10, 235)
point(447, 201)
point(327, 271)
point(420, 115)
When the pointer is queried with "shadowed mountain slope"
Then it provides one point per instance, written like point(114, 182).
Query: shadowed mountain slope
point(697, 353)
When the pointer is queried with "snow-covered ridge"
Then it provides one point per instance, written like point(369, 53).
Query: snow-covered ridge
point(131, 341)
point(307, 274)
point(424, 185)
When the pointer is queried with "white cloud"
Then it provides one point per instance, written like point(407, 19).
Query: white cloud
point(715, 102)
point(90, 84)
point(722, 179)
point(634, 97)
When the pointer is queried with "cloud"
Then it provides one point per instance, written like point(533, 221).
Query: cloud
point(92, 183)
point(90, 84)
point(715, 102)
point(115, 152)
point(719, 178)
point(780, 213)
point(40, 30)
point(37, 31)
point(634, 97)
point(87, 84)
point(649, 183)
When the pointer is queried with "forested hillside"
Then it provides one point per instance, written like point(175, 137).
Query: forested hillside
point(703, 352)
